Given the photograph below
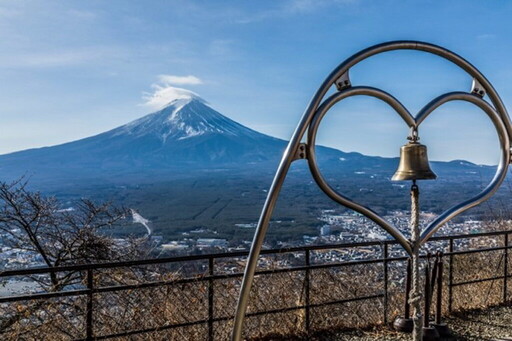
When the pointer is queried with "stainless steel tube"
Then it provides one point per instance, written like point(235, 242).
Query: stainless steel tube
point(498, 114)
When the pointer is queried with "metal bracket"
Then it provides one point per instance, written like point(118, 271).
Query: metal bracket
point(343, 82)
point(477, 88)
point(301, 152)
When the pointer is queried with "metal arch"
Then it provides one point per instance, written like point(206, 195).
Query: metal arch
point(501, 170)
point(425, 47)
point(304, 123)
point(317, 175)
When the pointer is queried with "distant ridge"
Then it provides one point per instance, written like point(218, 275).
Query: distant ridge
point(187, 134)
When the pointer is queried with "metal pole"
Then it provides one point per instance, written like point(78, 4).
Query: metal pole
point(426, 312)
point(505, 270)
point(439, 302)
point(442, 329)
point(88, 320)
point(433, 278)
point(307, 293)
point(210, 298)
point(266, 213)
point(450, 278)
point(385, 263)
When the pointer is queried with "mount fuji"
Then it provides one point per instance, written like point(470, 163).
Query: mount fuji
point(188, 165)
point(186, 134)
point(185, 137)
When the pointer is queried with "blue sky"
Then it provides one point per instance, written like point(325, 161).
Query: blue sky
point(71, 69)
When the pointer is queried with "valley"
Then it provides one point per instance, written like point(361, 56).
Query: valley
point(187, 167)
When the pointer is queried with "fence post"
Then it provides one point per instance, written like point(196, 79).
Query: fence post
point(439, 301)
point(210, 298)
point(385, 264)
point(505, 266)
point(88, 319)
point(307, 279)
point(426, 290)
point(450, 278)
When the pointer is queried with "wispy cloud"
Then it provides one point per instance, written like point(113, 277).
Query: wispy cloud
point(485, 36)
point(82, 14)
point(179, 80)
point(60, 58)
point(164, 91)
point(8, 13)
point(223, 49)
point(312, 5)
point(294, 7)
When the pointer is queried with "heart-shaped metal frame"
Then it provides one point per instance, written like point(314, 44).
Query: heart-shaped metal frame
point(312, 118)
point(414, 123)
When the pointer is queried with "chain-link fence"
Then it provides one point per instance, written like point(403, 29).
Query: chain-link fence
point(297, 292)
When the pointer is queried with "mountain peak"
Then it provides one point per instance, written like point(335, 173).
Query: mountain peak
point(169, 96)
point(183, 96)
point(187, 115)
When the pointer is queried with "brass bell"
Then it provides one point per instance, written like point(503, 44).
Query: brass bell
point(413, 163)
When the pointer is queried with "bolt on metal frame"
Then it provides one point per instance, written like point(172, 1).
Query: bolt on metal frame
point(310, 122)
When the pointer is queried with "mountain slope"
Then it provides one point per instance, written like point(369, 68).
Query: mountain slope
point(186, 136)
point(187, 132)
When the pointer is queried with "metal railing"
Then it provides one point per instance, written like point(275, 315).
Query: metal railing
point(211, 276)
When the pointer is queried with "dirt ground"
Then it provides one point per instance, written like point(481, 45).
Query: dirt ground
point(489, 324)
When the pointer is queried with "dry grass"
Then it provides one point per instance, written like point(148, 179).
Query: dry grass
point(121, 311)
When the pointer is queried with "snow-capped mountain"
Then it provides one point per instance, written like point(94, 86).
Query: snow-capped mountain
point(186, 132)
point(184, 118)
